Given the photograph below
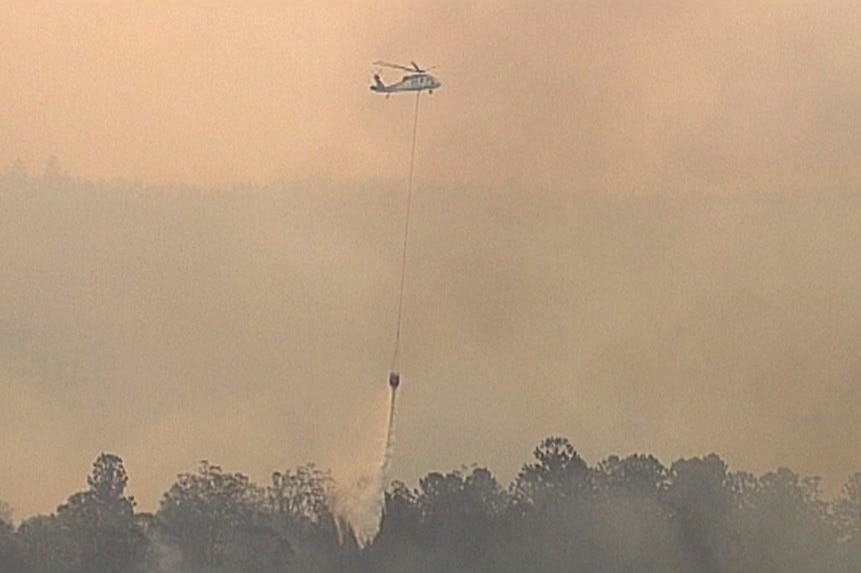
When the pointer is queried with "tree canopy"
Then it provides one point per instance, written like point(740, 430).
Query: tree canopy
point(559, 514)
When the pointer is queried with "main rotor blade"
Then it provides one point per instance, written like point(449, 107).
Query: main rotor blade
point(422, 70)
point(396, 66)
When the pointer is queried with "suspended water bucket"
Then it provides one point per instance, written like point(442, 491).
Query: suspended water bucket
point(394, 380)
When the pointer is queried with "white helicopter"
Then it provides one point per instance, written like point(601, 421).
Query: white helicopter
point(417, 81)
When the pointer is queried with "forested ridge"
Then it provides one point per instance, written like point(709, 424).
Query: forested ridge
point(558, 514)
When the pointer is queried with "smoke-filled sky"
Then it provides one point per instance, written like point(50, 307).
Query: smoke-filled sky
point(636, 224)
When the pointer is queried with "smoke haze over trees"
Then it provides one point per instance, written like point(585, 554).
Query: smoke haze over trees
point(558, 514)
point(154, 320)
point(193, 322)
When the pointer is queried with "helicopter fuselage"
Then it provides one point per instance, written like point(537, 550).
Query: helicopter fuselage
point(411, 83)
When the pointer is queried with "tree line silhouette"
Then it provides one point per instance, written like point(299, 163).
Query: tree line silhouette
point(630, 514)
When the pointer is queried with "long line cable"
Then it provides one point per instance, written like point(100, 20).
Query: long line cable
point(406, 236)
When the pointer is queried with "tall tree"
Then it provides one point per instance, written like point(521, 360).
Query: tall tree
point(847, 511)
point(630, 524)
point(401, 516)
point(459, 513)
point(218, 520)
point(102, 519)
point(549, 511)
point(701, 496)
point(301, 497)
point(11, 553)
point(299, 503)
point(792, 529)
point(847, 521)
point(557, 475)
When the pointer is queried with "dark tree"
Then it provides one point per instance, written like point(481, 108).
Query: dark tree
point(847, 522)
point(547, 521)
point(401, 516)
point(50, 546)
point(218, 520)
point(630, 524)
point(701, 497)
point(636, 474)
point(459, 513)
point(791, 529)
point(557, 475)
point(298, 501)
point(847, 511)
point(301, 497)
point(102, 520)
point(11, 551)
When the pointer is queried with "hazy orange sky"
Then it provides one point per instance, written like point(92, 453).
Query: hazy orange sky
point(608, 95)
point(632, 228)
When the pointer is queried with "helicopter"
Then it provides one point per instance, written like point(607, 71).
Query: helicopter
point(418, 80)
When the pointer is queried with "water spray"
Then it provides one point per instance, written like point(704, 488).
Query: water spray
point(394, 382)
point(358, 502)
